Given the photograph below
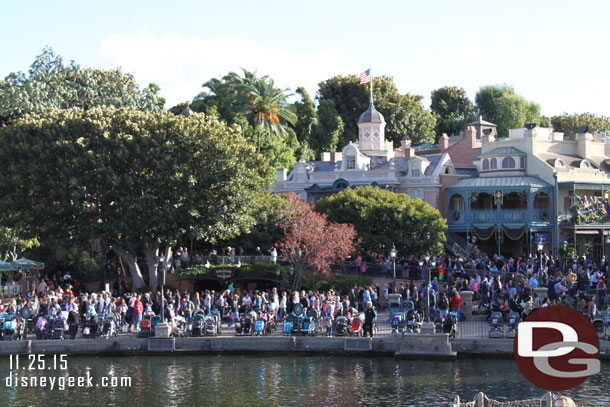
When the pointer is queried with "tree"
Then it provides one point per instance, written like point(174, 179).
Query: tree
point(452, 110)
point(329, 129)
point(138, 180)
point(404, 114)
point(383, 218)
point(311, 241)
point(501, 105)
point(51, 84)
point(12, 245)
point(570, 124)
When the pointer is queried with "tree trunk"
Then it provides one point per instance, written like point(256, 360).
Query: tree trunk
point(134, 269)
point(152, 253)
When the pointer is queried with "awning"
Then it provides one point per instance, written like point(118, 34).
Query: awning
point(484, 233)
point(514, 232)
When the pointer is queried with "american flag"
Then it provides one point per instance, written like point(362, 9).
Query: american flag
point(365, 77)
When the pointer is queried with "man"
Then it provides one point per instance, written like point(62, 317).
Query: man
point(369, 318)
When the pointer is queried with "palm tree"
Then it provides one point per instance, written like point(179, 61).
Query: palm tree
point(266, 107)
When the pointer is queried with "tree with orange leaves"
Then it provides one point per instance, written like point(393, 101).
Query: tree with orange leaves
point(311, 242)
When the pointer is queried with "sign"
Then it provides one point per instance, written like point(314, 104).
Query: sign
point(223, 274)
point(557, 348)
point(546, 237)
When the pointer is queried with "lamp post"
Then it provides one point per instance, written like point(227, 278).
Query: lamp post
point(540, 247)
point(393, 253)
point(607, 242)
point(427, 259)
point(499, 242)
point(565, 255)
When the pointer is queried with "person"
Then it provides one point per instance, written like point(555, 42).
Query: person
point(443, 305)
point(369, 318)
point(186, 308)
point(592, 308)
point(282, 307)
point(274, 255)
point(564, 401)
point(456, 303)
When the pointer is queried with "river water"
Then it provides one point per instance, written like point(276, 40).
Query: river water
point(276, 381)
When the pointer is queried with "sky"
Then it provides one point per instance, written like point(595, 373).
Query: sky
point(555, 53)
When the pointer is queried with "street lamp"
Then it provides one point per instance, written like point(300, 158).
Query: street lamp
point(565, 255)
point(427, 259)
point(499, 243)
point(540, 247)
point(393, 253)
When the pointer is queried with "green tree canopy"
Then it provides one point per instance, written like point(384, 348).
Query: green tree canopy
point(139, 180)
point(500, 104)
point(452, 110)
point(404, 114)
point(260, 108)
point(570, 123)
point(383, 217)
point(52, 84)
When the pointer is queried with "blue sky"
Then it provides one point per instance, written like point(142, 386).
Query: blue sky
point(556, 53)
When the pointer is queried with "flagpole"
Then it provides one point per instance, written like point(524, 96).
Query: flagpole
point(371, 86)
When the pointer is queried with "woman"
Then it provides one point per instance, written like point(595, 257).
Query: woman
point(282, 307)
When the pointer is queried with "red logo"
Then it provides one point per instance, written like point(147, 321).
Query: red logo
point(556, 348)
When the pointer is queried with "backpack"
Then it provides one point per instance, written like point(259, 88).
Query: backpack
point(444, 304)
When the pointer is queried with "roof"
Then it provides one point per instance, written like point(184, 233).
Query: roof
point(481, 122)
point(434, 161)
point(502, 151)
point(492, 182)
point(569, 160)
point(471, 172)
point(371, 115)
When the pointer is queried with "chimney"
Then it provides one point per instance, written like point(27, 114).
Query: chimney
point(443, 143)
point(335, 156)
point(406, 148)
point(281, 174)
point(488, 136)
point(325, 156)
point(471, 134)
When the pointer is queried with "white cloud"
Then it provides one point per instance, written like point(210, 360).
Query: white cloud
point(180, 65)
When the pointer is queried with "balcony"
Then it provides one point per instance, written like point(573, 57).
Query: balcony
point(529, 216)
point(583, 219)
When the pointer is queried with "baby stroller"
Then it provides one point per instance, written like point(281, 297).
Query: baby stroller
point(209, 325)
point(154, 321)
point(91, 328)
point(109, 326)
point(217, 320)
point(28, 319)
point(356, 325)
point(58, 328)
point(10, 328)
point(340, 326)
point(513, 321)
point(259, 325)
point(450, 324)
point(413, 318)
point(308, 326)
point(145, 326)
point(198, 322)
point(41, 329)
point(398, 323)
point(291, 324)
point(497, 325)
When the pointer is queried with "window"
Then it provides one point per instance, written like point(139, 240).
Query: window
point(508, 162)
point(341, 185)
point(486, 164)
point(367, 135)
point(494, 164)
point(350, 162)
point(416, 173)
point(585, 164)
point(522, 162)
point(376, 135)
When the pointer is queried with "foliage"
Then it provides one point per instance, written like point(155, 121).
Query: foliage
point(501, 105)
point(452, 110)
point(12, 246)
point(404, 114)
point(258, 107)
point(135, 179)
point(51, 84)
point(269, 209)
point(202, 271)
point(329, 130)
point(311, 241)
point(570, 123)
point(383, 218)
point(338, 283)
point(81, 263)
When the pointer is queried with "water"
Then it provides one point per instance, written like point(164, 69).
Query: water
point(285, 381)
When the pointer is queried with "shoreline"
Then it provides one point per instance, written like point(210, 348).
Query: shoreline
point(413, 346)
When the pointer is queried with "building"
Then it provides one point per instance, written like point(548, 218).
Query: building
point(372, 160)
point(533, 188)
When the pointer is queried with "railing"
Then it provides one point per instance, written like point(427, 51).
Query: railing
point(481, 400)
point(567, 217)
point(11, 290)
point(499, 216)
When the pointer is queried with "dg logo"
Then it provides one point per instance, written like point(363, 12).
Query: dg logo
point(556, 348)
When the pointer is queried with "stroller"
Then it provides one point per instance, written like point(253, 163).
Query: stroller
point(340, 326)
point(291, 325)
point(42, 328)
point(91, 328)
point(198, 317)
point(356, 325)
point(154, 321)
point(217, 320)
point(413, 318)
point(58, 328)
point(28, 319)
point(145, 326)
point(497, 325)
point(398, 323)
point(259, 325)
point(109, 326)
point(450, 324)
point(245, 324)
point(513, 321)
point(11, 328)
point(308, 326)
point(209, 325)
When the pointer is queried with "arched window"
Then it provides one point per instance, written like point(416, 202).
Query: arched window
point(585, 165)
point(494, 164)
point(522, 162)
point(486, 164)
point(341, 185)
point(350, 162)
point(508, 162)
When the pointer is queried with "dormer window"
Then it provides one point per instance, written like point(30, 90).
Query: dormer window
point(559, 164)
point(522, 162)
point(585, 164)
point(485, 164)
point(494, 163)
point(416, 173)
point(350, 162)
point(508, 162)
